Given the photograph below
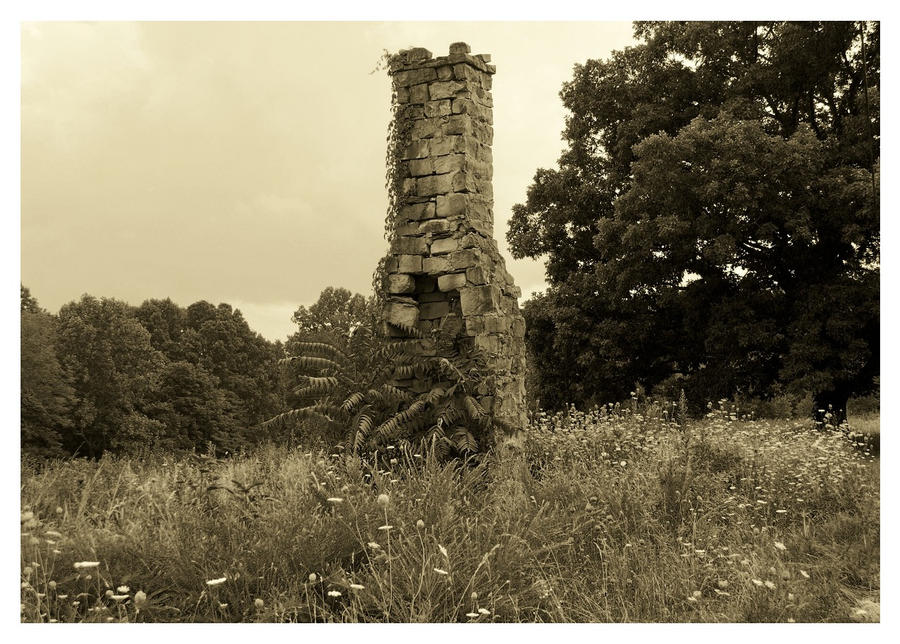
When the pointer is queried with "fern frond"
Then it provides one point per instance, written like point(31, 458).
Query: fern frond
point(411, 331)
point(352, 401)
point(311, 362)
point(320, 350)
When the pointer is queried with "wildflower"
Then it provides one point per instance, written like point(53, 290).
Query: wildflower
point(57, 552)
point(123, 589)
point(223, 606)
point(383, 500)
point(27, 571)
point(484, 611)
point(59, 510)
point(385, 527)
point(623, 463)
point(52, 585)
point(723, 583)
point(87, 577)
point(357, 586)
point(259, 603)
point(334, 593)
point(140, 599)
point(82, 565)
point(420, 524)
point(770, 585)
point(373, 545)
point(781, 511)
point(27, 516)
point(443, 551)
point(472, 615)
point(757, 582)
point(312, 577)
point(474, 595)
point(441, 571)
point(805, 574)
point(790, 597)
point(780, 545)
point(335, 499)
point(62, 597)
point(697, 594)
point(109, 592)
point(119, 598)
point(216, 582)
point(53, 534)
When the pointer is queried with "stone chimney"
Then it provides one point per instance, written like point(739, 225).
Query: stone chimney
point(444, 270)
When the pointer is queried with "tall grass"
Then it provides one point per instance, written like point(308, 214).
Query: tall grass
point(620, 517)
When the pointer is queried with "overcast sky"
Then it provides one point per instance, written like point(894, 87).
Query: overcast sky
point(244, 162)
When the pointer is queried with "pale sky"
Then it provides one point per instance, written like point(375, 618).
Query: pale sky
point(243, 162)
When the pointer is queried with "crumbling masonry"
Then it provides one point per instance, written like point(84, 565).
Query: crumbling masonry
point(444, 270)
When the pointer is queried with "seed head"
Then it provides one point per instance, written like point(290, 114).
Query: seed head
point(383, 500)
point(259, 603)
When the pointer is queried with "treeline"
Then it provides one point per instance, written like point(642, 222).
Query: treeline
point(103, 376)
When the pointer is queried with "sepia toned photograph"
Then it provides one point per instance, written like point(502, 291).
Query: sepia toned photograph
point(449, 322)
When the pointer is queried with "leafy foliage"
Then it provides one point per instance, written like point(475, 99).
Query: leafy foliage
point(715, 217)
point(46, 393)
point(348, 392)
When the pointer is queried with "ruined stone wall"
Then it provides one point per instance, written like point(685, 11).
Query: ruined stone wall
point(444, 269)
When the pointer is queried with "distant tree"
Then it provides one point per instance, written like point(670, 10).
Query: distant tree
point(107, 351)
point(166, 322)
point(28, 302)
point(219, 339)
point(46, 395)
point(715, 216)
point(194, 411)
point(335, 313)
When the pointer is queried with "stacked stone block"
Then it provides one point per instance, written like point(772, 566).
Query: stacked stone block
point(444, 270)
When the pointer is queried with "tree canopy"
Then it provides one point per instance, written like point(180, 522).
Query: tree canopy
point(714, 218)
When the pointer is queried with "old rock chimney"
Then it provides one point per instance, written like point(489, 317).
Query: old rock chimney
point(444, 270)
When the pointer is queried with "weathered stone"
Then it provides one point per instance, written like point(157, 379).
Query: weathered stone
point(450, 205)
point(418, 211)
point(421, 167)
point(409, 246)
point(476, 275)
point(449, 163)
point(435, 265)
point(418, 93)
point(451, 282)
point(460, 48)
point(435, 226)
point(409, 263)
point(402, 313)
point(436, 184)
point(465, 259)
point(445, 89)
point(434, 310)
point(416, 150)
point(438, 108)
point(442, 246)
point(476, 300)
point(400, 283)
point(446, 145)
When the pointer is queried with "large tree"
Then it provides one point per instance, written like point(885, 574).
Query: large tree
point(714, 218)
point(46, 395)
point(113, 367)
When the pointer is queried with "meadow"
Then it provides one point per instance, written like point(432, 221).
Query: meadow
point(613, 515)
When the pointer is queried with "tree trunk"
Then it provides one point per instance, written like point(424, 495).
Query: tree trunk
point(833, 402)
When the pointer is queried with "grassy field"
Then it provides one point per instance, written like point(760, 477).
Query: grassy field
point(613, 517)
